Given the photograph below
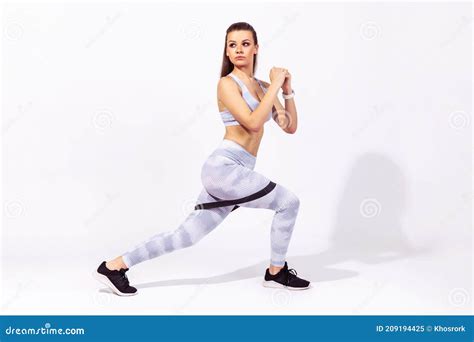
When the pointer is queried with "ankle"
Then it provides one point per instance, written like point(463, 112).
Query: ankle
point(116, 264)
point(274, 269)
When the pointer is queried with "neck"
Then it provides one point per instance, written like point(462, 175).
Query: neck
point(243, 71)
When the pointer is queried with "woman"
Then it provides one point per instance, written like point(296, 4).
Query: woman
point(245, 104)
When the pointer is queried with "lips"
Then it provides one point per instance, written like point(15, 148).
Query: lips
point(240, 57)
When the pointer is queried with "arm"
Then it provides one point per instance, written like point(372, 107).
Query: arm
point(229, 94)
point(286, 116)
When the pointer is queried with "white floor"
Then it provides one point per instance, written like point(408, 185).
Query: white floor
point(416, 283)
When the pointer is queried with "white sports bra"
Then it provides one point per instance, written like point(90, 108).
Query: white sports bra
point(251, 101)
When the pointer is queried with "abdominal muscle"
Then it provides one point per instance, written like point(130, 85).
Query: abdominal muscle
point(248, 140)
point(242, 136)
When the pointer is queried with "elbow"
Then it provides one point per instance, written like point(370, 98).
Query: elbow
point(254, 127)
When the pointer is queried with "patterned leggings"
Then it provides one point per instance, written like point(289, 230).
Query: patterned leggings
point(226, 174)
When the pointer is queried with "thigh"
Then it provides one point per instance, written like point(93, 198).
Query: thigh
point(207, 219)
point(227, 179)
point(278, 199)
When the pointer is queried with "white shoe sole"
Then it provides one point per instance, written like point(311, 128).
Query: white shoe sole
point(275, 285)
point(104, 280)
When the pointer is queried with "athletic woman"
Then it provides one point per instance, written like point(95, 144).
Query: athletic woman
point(245, 104)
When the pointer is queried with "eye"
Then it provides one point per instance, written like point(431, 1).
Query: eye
point(233, 44)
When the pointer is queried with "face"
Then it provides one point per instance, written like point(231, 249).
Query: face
point(240, 47)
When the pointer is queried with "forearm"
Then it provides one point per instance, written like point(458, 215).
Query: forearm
point(290, 109)
point(260, 114)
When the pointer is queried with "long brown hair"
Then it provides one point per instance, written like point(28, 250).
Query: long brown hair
point(227, 65)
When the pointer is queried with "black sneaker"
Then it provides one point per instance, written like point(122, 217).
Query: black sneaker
point(116, 280)
point(285, 278)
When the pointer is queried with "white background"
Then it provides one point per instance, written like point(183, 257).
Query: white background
point(109, 112)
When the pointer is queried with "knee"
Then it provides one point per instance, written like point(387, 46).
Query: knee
point(290, 201)
point(294, 202)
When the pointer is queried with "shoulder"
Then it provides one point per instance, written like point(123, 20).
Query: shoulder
point(224, 80)
point(226, 83)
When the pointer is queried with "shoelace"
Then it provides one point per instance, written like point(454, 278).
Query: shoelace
point(124, 277)
point(290, 275)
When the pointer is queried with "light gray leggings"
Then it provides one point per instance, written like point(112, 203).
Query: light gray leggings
point(226, 174)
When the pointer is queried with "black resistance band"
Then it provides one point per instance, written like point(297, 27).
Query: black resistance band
point(225, 203)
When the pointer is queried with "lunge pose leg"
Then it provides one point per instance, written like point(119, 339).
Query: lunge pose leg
point(229, 180)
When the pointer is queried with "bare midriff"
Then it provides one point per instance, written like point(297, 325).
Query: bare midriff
point(247, 139)
point(239, 134)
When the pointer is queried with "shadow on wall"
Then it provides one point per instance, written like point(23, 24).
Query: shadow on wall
point(368, 225)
